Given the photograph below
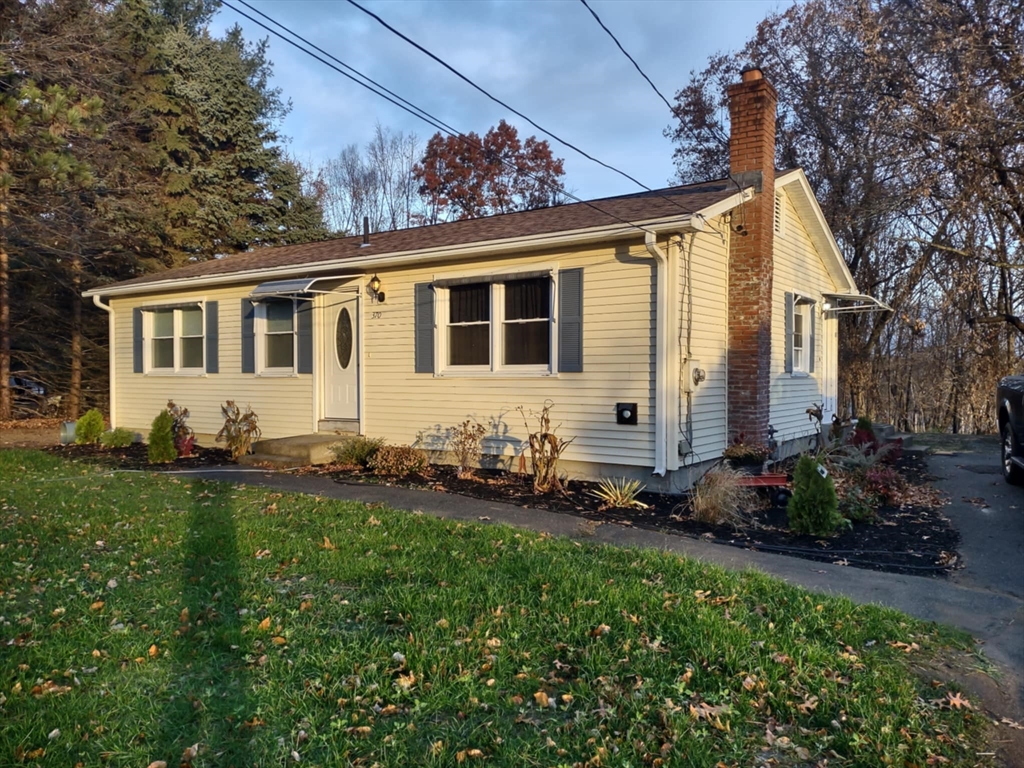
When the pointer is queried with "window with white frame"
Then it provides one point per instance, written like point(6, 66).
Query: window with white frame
point(176, 339)
point(276, 318)
point(499, 326)
point(801, 324)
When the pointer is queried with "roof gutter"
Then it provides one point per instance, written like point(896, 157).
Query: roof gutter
point(420, 256)
point(96, 299)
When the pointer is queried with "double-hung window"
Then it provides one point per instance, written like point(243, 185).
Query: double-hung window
point(176, 339)
point(800, 338)
point(278, 335)
point(499, 326)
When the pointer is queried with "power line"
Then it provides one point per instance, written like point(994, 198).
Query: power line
point(626, 54)
point(511, 109)
point(413, 109)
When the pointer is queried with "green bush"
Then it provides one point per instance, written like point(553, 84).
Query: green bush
point(161, 439)
point(814, 508)
point(858, 505)
point(397, 460)
point(89, 428)
point(117, 438)
point(865, 423)
point(357, 451)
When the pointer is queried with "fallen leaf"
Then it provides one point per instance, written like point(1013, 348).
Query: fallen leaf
point(749, 683)
point(542, 699)
point(153, 651)
point(328, 545)
point(405, 682)
point(157, 764)
point(956, 701)
point(54, 734)
point(373, 521)
point(305, 605)
point(183, 616)
point(600, 629)
point(98, 605)
point(264, 625)
point(190, 754)
point(809, 705)
point(278, 640)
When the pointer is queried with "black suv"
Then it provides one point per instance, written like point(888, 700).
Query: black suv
point(1010, 412)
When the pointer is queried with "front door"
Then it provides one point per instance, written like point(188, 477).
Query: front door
point(341, 356)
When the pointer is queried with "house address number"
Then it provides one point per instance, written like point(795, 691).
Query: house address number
point(376, 315)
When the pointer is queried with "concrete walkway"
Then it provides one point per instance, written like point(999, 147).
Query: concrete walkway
point(993, 616)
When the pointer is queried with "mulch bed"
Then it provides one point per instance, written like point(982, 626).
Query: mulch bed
point(135, 457)
point(915, 538)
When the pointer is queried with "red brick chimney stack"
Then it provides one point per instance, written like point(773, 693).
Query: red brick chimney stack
point(751, 246)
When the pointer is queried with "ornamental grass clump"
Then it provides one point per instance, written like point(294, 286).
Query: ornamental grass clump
point(814, 508)
point(89, 428)
point(241, 429)
point(721, 498)
point(161, 439)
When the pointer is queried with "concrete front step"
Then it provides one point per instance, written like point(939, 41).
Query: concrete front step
point(300, 450)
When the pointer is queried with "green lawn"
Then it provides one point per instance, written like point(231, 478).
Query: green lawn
point(140, 615)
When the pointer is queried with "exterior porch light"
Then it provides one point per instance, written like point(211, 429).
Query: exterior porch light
point(375, 285)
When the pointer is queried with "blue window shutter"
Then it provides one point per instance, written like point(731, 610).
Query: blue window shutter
point(137, 340)
point(789, 332)
point(424, 327)
point(304, 327)
point(248, 336)
point(570, 321)
point(212, 337)
point(811, 344)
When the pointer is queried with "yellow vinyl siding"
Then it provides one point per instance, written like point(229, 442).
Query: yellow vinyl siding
point(798, 269)
point(708, 257)
point(618, 364)
point(284, 404)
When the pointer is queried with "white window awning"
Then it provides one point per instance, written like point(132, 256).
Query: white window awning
point(299, 287)
point(836, 303)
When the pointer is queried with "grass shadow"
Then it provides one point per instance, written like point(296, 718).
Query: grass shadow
point(208, 699)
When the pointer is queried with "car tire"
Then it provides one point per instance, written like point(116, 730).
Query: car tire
point(1012, 473)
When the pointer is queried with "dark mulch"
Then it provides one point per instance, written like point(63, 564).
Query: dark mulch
point(135, 457)
point(915, 539)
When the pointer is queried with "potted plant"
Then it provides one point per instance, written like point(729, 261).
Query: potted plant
point(184, 437)
point(746, 457)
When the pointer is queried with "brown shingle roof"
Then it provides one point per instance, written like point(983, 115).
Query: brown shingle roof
point(672, 201)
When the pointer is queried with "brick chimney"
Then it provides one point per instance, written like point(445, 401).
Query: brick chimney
point(751, 247)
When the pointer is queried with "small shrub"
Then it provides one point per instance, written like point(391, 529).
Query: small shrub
point(865, 424)
point(885, 483)
point(546, 449)
point(184, 437)
point(465, 441)
point(619, 493)
point(857, 504)
point(161, 439)
point(240, 429)
point(740, 453)
point(357, 451)
point(719, 497)
point(397, 460)
point(89, 428)
point(814, 508)
point(117, 438)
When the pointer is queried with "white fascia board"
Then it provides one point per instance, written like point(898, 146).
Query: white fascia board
point(684, 222)
point(820, 230)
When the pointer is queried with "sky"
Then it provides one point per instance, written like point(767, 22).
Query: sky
point(547, 58)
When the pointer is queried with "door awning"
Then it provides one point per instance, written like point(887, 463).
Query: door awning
point(299, 287)
point(836, 303)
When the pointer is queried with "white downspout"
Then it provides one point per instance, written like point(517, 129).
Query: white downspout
point(661, 389)
point(96, 299)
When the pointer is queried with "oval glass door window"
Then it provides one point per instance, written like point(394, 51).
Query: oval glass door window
point(343, 338)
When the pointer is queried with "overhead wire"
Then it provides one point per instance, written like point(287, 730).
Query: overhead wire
point(411, 108)
point(512, 109)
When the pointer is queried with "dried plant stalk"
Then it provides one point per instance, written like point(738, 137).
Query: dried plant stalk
point(545, 450)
